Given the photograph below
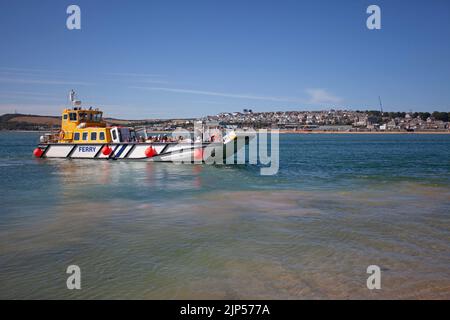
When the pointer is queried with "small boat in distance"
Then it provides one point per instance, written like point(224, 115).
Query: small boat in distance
point(85, 134)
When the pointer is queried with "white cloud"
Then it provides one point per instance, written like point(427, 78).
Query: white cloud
point(129, 74)
point(223, 94)
point(44, 81)
point(142, 78)
point(40, 109)
point(321, 96)
point(31, 97)
point(28, 70)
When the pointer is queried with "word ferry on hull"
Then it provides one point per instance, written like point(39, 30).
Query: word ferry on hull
point(85, 134)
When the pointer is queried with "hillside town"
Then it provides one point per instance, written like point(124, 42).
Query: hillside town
point(291, 121)
point(337, 120)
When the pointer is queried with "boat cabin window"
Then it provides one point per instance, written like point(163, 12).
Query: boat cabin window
point(90, 116)
point(124, 134)
point(114, 134)
point(73, 116)
point(85, 135)
point(76, 136)
point(83, 116)
point(65, 116)
point(97, 117)
point(102, 136)
point(93, 135)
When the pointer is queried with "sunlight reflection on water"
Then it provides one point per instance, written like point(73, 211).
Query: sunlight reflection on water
point(156, 230)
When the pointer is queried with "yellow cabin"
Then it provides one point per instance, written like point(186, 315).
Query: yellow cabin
point(83, 126)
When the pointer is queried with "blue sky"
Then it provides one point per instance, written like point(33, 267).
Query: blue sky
point(165, 59)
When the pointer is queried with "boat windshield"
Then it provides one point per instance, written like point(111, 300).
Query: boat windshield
point(98, 117)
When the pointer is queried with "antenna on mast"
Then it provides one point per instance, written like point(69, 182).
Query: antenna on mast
point(72, 98)
point(381, 105)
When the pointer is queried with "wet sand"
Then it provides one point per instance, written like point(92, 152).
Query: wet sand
point(237, 245)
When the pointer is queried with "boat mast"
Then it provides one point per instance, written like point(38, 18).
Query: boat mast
point(72, 98)
point(381, 105)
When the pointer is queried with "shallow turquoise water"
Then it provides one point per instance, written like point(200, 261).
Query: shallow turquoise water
point(156, 230)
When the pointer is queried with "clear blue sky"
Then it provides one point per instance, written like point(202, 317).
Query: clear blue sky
point(147, 59)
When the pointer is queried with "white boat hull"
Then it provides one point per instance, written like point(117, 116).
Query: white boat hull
point(165, 152)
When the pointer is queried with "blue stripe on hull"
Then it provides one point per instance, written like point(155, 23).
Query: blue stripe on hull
point(120, 151)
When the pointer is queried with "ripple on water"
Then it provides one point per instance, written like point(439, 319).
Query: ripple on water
point(153, 230)
point(259, 244)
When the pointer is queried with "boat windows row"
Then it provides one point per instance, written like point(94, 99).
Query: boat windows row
point(84, 136)
point(83, 116)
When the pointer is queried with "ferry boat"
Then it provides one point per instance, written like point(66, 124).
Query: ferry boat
point(85, 134)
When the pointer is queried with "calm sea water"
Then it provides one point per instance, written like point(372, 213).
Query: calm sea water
point(162, 231)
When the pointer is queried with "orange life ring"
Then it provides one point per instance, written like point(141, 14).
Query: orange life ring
point(61, 134)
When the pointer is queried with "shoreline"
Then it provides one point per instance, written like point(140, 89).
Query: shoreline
point(282, 131)
point(362, 132)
